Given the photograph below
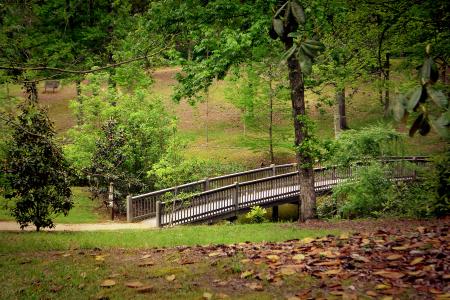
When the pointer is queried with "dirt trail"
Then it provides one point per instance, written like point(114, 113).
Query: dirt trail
point(13, 226)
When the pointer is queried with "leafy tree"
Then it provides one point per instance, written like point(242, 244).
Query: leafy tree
point(37, 174)
point(121, 136)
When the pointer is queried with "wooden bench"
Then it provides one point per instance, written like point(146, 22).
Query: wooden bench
point(51, 84)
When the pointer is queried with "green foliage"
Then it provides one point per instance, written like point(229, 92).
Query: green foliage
point(365, 196)
point(37, 174)
point(422, 100)
point(256, 215)
point(366, 143)
point(174, 169)
point(121, 136)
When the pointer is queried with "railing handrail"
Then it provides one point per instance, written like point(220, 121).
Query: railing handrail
point(162, 191)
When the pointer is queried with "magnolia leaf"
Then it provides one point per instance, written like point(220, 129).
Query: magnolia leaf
point(255, 286)
point(415, 126)
point(398, 108)
point(416, 261)
point(134, 284)
point(425, 71)
point(424, 127)
point(108, 283)
point(305, 64)
point(438, 97)
point(298, 12)
point(389, 274)
point(278, 27)
point(298, 257)
point(311, 52)
point(416, 96)
point(394, 257)
point(246, 274)
point(170, 277)
point(290, 52)
point(441, 125)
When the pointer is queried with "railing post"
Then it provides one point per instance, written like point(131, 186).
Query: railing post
point(414, 170)
point(158, 214)
point(206, 184)
point(129, 210)
point(236, 196)
point(273, 169)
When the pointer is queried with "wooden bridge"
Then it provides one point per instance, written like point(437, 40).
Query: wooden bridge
point(226, 196)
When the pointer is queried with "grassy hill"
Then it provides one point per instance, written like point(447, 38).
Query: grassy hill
point(226, 139)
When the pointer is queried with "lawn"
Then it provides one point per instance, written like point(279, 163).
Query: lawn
point(394, 262)
point(11, 242)
point(85, 210)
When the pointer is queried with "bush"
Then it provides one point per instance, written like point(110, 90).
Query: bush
point(256, 215)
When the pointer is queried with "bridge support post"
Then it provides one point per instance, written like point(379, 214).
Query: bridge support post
point(275, 213)
point(236, 197)
point(206, 184)
point(273, 170)
point(129, 211)
point(158, 214)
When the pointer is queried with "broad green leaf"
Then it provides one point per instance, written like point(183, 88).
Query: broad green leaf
point(438, 97)
point(305, 64)
point(441, 125)
point(278, 27)
point(425, 72)
point(414, 99)
point(424, 127)
point(290, 52)
point(311, 52)
point(416, 125)
point(398, 108)
point(298, 12)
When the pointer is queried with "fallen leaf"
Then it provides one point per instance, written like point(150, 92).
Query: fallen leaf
point(170, 277)
point(445, 296)
point(145, 289)
point(382, 286)
point(371, 293)
point(273, 257)
point(308, 240)
point(389, 274)
point(255, 286)
point(401, 248)
point(435, 291)
point(246, 274)
point(416, 261)
point(344, 236)
point(146, 264)
point(387, 298)
point(108, 283)
point(421, 229)
point(83, 274)
point(328, 254)
point(99, 257)
point(287, 271)
point(146, 256)
point(358, 257)
point(394, 257)
point(328, 263)
point(134, 284)
point(207, 296)
point(213, 254)
point(298, 257)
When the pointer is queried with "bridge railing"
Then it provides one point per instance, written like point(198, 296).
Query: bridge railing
point(143, 206)
point(240, 196)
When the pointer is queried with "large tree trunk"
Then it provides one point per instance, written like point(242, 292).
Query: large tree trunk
point(340, 100)
point(306, 174)
point(271, 93)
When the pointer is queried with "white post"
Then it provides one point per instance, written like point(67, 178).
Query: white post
point(129, 210)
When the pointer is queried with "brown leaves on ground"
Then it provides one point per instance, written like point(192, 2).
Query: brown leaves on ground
point(382, 264)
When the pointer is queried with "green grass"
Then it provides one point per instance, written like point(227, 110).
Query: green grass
point(84, 210)
point(183, 235)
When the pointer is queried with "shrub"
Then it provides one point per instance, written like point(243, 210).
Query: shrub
point(36, 172)
point(257, 215)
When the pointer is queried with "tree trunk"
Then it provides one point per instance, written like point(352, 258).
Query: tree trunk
point(386, 84)
point(31, 91)
point(340, 100)
point(306, 174)
point(79, 100)
point(271, 93)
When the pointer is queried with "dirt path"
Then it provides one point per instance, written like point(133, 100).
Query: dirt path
point(13, 226)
